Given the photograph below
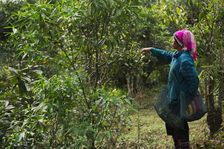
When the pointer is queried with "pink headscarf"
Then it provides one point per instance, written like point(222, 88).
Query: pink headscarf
point(186, 39)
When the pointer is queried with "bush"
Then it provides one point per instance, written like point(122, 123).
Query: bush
point(65, 113)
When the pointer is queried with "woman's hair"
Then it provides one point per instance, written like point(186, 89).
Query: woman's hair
point(186, 39)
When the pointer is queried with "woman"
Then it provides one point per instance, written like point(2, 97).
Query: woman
point(183, 77)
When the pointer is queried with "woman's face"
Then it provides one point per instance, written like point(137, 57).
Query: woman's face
point(176, 45)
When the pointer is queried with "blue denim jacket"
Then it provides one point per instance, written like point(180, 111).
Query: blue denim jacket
point(183, 76)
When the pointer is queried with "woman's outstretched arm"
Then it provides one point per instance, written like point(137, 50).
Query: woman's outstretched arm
point(165, 56)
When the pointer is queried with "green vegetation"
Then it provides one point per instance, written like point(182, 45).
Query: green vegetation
point(71, 75)
point(147, 130)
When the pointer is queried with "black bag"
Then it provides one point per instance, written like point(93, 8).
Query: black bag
point(165, 113)
point(191, 109)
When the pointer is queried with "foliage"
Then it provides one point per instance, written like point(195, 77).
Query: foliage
point(64, 62)
point(45, 35)
point(61, 115)
point(7, 9)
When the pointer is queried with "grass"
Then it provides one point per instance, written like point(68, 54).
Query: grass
point(147, 130)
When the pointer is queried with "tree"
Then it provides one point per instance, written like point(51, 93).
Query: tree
point(209, 26)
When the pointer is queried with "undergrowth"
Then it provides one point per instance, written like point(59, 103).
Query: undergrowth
point(147, 131)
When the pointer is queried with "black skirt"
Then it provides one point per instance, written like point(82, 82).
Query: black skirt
point(178, 133)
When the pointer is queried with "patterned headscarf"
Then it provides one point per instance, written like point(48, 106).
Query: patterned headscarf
point(186, 39)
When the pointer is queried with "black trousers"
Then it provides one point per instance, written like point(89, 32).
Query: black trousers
point(180, 136)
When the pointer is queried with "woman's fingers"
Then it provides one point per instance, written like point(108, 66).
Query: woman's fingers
point(145, 50)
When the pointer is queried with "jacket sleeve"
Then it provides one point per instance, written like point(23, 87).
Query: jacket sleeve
point(190, 78)
point(165, 56)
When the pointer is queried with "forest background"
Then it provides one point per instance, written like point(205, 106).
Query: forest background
point(71, 75)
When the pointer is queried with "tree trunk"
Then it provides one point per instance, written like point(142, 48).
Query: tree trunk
point(133, 84)
point(214, 115)
point(220, 98)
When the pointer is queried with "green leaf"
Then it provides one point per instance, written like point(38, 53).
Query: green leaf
point(178, 11)
point(22, 136)
point(40, 72)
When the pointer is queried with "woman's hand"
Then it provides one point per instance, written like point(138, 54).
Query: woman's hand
point(145, 50)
